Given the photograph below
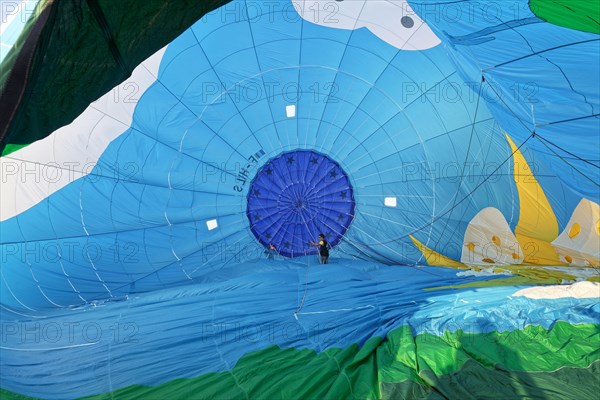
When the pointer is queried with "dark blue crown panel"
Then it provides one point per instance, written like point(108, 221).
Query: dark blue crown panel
point(295, 197)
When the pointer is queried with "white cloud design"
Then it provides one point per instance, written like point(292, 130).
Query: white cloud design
point(393, 21)
point(579, 290)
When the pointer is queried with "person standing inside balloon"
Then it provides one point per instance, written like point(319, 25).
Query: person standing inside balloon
point(271, 252)
point(323, 249)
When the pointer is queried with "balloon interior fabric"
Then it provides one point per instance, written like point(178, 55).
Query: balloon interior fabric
point(299, 193)
point(166, 169)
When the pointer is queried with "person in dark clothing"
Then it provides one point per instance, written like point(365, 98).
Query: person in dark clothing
point(323, 249)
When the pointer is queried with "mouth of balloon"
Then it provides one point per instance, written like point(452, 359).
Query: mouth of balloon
point(296, 196)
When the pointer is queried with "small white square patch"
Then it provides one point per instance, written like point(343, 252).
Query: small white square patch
point(212, 224)
point(390, 201)
point(290, 111)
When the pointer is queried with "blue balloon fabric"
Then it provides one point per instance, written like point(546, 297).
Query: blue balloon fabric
point(270, 128)
point(295, 197)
